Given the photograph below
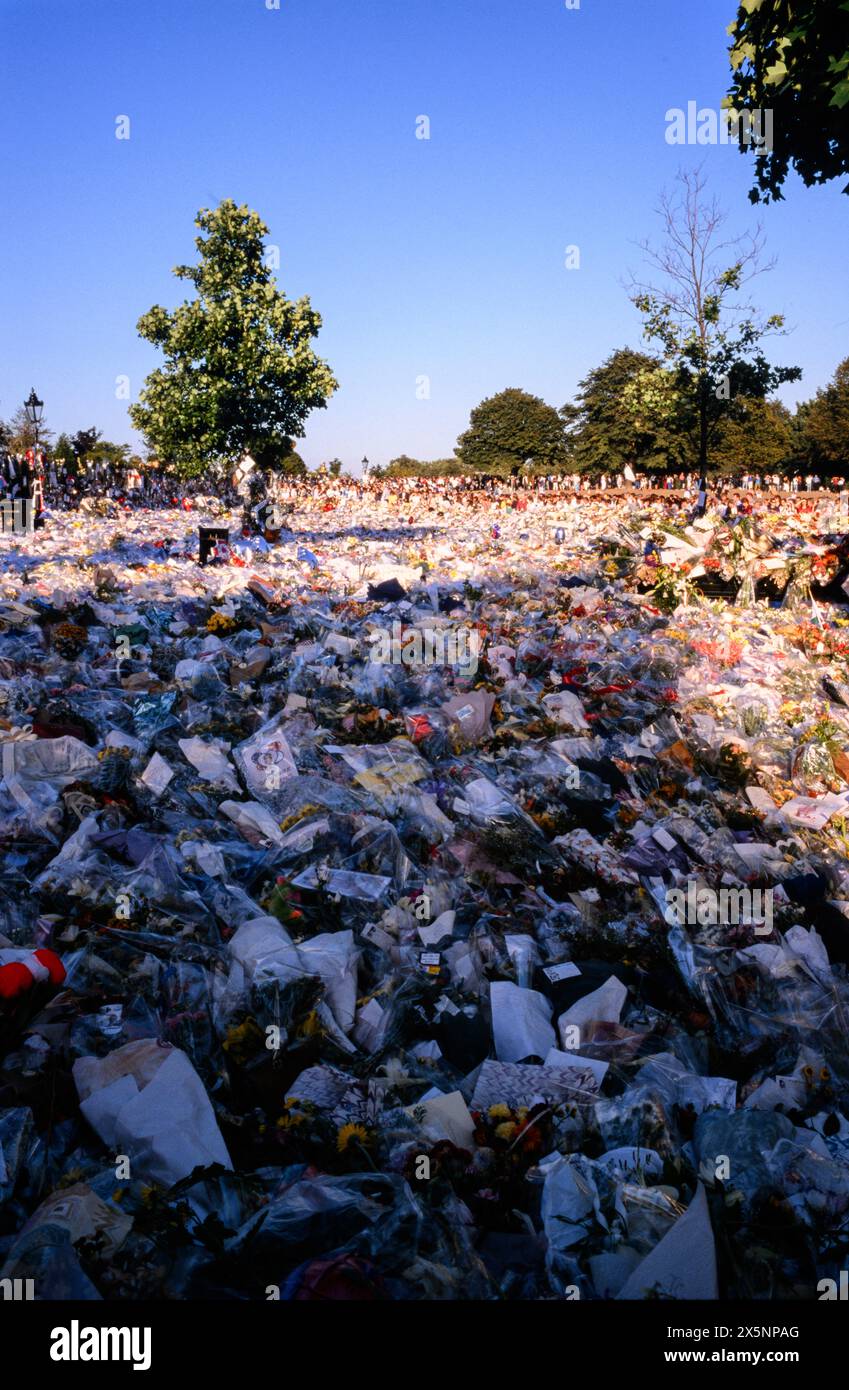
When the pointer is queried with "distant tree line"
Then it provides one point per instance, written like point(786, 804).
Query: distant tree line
point(17, 435)
point(623, 413)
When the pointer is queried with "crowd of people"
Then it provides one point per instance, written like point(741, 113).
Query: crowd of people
point(60, 485)
point(414, 498)
point(64, 485)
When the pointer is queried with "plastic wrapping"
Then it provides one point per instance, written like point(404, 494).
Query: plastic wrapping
point(408, 929)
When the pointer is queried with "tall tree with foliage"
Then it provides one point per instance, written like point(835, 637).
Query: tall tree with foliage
point(791, 57)
point(710, 337)
point(508, 429)
point(624, 413)
point(105, 451)
point(406, 467)
point(292, 465)
point(64, 449)
point(240, 373)
point(83, 443)
point(824, 421)
point(758, 439)
point(20, 433)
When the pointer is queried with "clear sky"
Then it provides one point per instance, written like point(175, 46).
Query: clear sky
point(442, 258)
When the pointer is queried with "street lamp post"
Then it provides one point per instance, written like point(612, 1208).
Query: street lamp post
point(365, 466)
point(29, 500)
point(34, 411)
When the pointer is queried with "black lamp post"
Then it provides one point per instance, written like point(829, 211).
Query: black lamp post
point(34, 411)
point(365, 466)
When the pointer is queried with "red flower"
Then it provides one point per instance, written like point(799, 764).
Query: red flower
point(420, 727)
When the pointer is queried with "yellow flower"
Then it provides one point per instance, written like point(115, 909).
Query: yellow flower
point(219, 622)
point(310, 1025)
point(242, 1037)
point(348, 1133)
point(507, 1130)
point(290, 1121)
point(499, 1112)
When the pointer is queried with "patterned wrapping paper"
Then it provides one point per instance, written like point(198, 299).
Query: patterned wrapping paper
point(520, 1083)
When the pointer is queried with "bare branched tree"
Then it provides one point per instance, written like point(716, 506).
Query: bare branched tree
point(709, 332)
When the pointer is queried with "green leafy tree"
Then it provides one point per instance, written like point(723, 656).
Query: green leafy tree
point(824, 422)
point(334, 468)
point(83, 443)
point(711, 339)
point(625, 411)
point(21, 434)
point(292, 465)
point(402, 467)
point(63, 448)
point(104, 451)
point(508, 429)
point(405, 467)
point(240, 373)
point(759, 438)
point(791, 58)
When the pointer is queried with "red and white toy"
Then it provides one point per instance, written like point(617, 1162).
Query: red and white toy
point(20, 970)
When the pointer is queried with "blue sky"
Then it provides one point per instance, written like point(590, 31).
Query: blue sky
point(441, 258)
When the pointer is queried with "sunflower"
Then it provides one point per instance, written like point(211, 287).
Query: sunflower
point(348, 1134)
point(242, 1040)
point(290, 1120)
